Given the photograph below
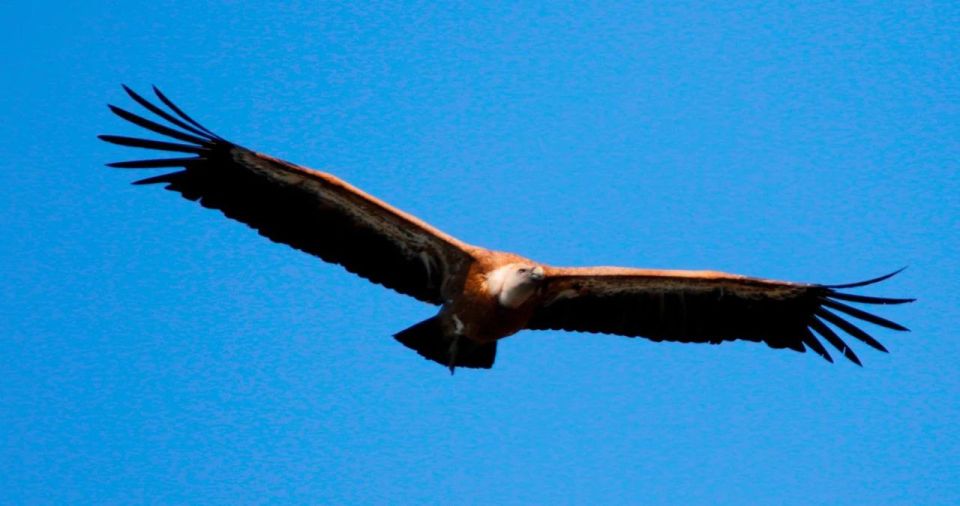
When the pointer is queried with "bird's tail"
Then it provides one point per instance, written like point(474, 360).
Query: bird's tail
point(429, 340)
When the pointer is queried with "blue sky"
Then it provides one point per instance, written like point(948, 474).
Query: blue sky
point(154, 351)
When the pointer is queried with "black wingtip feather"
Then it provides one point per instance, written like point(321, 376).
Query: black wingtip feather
point(151, 144)
point(832, 338)
point(851, 329)
point(163, 178)
point(814, 344)
point(158, 163)
point(163, 98)
point(167, 116)
point(156, 127)
point(868, 300)
point(863, 315)
point(869, 281)
point(201, 141)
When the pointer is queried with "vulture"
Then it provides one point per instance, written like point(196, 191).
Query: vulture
point(484, 295)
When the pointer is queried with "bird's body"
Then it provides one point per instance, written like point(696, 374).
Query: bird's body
point(491, 305)
point(485, 295)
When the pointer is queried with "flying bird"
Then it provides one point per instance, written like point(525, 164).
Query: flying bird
point(485, 295)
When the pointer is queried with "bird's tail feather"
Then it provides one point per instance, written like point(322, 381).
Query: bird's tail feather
point(429, 340)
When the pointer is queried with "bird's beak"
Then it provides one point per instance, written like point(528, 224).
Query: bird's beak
point(537, 274)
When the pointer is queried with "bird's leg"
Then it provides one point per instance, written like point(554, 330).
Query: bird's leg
point(452, 352)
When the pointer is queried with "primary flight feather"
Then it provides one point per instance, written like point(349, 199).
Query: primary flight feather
point(485, 295)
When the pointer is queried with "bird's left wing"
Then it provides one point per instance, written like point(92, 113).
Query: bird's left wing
point(309, 210)
point(706, 307)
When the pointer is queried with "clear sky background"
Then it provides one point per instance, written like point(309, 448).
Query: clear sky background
point(155, 352)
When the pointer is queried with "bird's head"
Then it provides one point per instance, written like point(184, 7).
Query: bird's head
point(514, 283)
point(530, 273)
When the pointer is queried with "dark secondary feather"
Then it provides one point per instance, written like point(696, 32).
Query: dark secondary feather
point(287, 214)
point(787, 318)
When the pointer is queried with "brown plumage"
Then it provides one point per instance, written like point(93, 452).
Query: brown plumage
point(485, 295)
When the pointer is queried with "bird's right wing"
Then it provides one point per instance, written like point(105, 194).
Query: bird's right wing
point(309, 210)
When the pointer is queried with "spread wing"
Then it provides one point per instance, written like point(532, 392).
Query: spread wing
point(707, 307)
point(309, 210)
